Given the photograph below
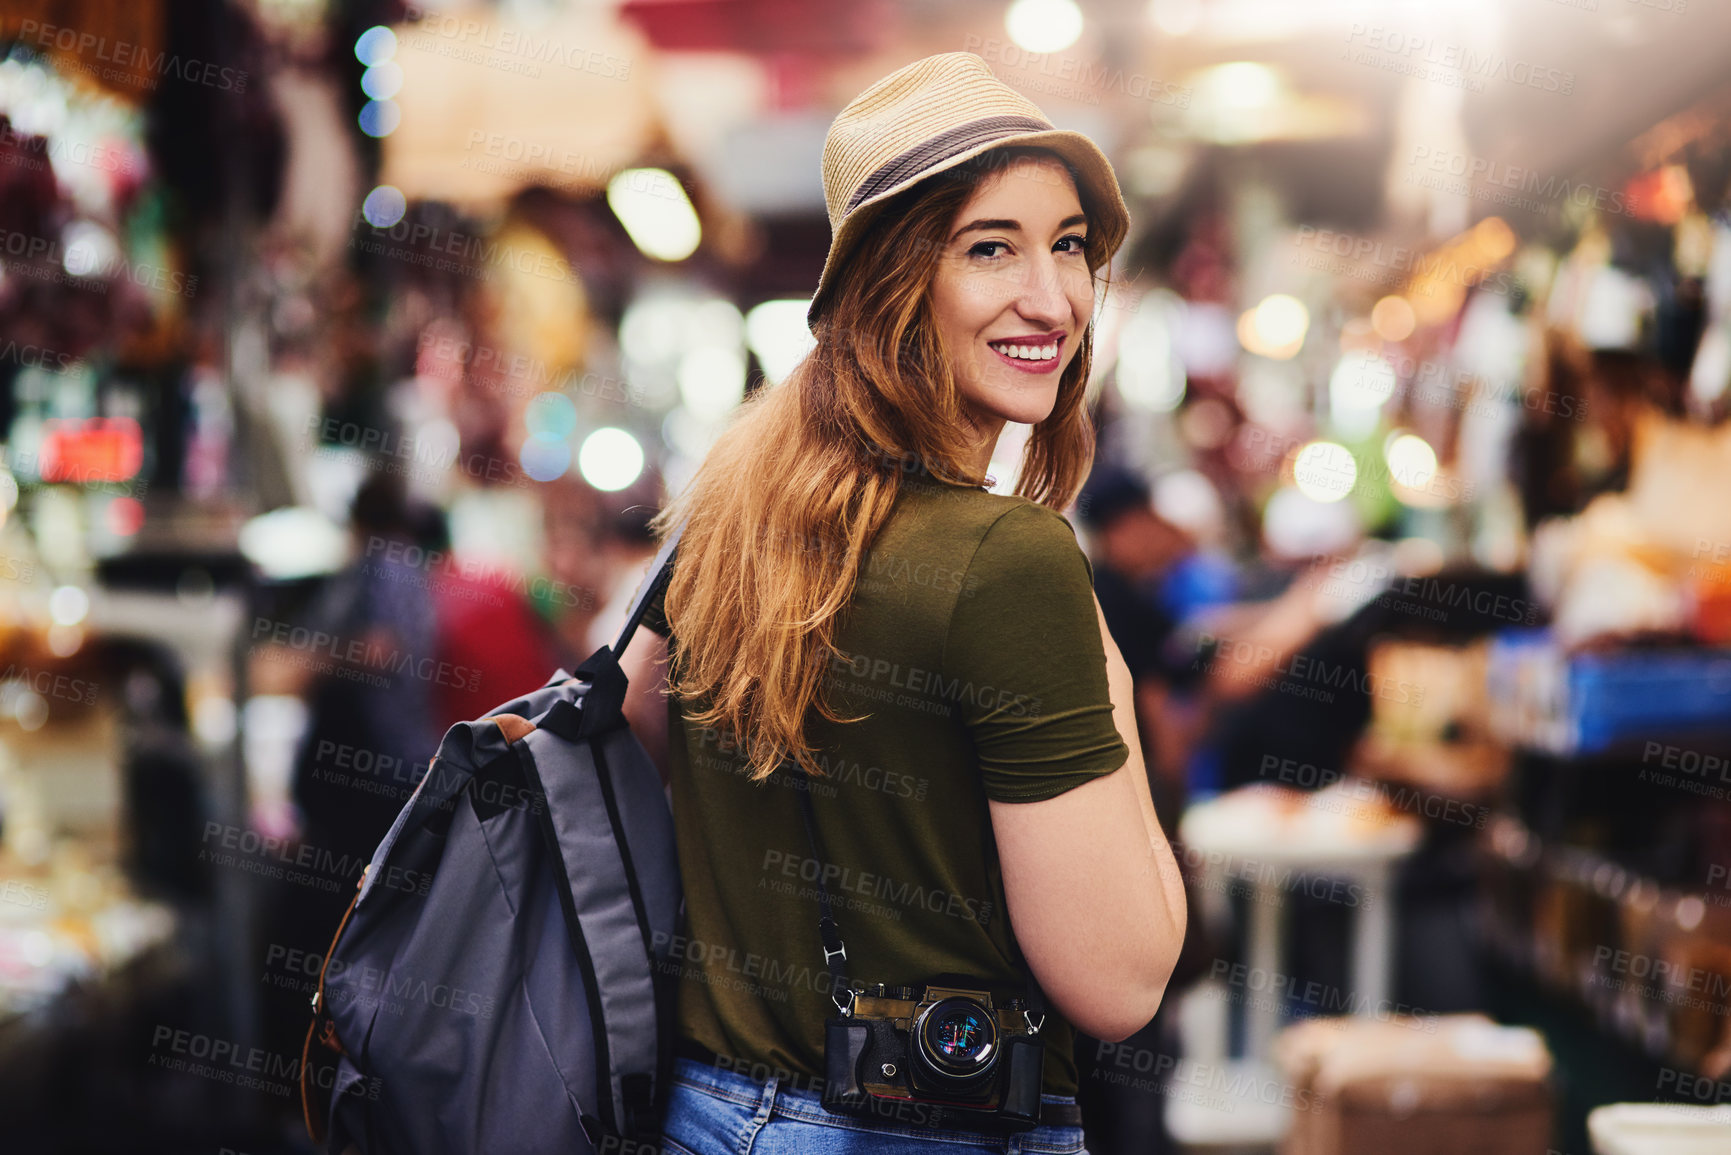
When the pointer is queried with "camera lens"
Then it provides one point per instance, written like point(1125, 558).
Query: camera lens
point(960, 1035)
point(958, 1039)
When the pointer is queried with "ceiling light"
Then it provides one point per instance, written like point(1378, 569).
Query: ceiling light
point(656, 213)
point(1044, 25)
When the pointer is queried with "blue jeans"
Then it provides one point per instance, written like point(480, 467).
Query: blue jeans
point(714, 1111)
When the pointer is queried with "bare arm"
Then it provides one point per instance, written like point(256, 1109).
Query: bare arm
point(1094, 891)
point(1258, 638)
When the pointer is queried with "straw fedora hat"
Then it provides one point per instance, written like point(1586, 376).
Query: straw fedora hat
point(933, 115)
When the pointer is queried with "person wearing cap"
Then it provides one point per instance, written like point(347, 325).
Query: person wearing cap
point(1133, 549)
point(858, 622)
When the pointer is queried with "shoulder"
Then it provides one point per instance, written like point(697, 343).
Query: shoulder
point(976, 513)
point(1031, 542)
point(1026, 602)
point(998, 535)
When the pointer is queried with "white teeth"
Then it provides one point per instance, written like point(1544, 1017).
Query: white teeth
point(1028, 352)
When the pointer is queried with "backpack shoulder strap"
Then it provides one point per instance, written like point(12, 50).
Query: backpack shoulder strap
point(660, 573)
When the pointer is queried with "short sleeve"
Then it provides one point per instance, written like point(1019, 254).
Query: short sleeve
point(1025, 664)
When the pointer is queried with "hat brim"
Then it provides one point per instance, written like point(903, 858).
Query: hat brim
point(1100, 192)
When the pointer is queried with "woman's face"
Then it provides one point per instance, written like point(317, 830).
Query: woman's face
point(1013, 293)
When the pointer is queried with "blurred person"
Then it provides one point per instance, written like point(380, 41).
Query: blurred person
point(577, 560)
point(376, 694)
point(1133, 552)
point(490, 628)
point(165, 796)
point(363, 659)
point(511, 630)
point(851, 602)
point(1578, 422)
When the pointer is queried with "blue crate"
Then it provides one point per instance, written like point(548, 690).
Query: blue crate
point(1590, 702)
point(1647, 693)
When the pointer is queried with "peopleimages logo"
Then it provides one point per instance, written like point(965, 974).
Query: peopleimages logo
point(519, 375)
point(1072, 77)
point(1426, 269)
point(1375, 795)
point(1541, 190)
point(513, 50)
point(1234, 1082)
point(1258, 987)
point(37, 357)
point(1222, 872)
point(88, 53)
point(43, 259)
point(1700, 773)
point(452, 251)
point(926, 689)
point(359, 655)
point(1422, 595)
point(1687, 1085)
point(238, 1065)
point(1459, 65)
point(411, 564)
point(1289, 672)
point(410, 456)
point(39, 153)
point(846, 880)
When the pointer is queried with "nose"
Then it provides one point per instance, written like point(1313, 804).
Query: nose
point(1040, 296)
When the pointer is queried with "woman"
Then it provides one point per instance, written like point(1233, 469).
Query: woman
point(850, 599)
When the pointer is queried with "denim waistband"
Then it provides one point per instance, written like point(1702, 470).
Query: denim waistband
point(792, 1095)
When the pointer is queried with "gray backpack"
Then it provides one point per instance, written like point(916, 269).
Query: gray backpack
point(500, 981)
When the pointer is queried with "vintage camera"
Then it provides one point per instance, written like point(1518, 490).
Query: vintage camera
point(937, 1056)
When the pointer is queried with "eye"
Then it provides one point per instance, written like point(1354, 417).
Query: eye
point(1074, 243)
point(987, 249)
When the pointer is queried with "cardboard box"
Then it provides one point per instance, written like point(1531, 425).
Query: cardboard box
point(1437, 1085)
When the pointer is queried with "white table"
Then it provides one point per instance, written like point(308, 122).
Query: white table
point(1251, 838)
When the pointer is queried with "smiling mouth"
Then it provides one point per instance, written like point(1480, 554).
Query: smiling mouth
point(1037, 354)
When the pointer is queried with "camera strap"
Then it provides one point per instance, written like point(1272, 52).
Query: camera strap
point(835, 952)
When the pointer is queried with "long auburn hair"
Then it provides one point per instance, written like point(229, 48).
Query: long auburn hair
point(788, 501)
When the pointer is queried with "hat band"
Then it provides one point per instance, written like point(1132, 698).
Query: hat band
point(910, 164)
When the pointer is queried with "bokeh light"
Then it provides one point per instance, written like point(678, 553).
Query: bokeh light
point(380, 117)
point(1275, 328)
point(712, 381)
point(545, 456)
point(376, 45)
point(1393, 318)
point(384, 206)
point(656, 213)
point(778, 336)
point(1044, 25)
point(383, 80)
point(610, 459)
point(1324, 471)
point(552, 414)
point(68, 605)
point(1411, 460)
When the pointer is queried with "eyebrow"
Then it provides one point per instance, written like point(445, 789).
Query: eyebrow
point(986, 225)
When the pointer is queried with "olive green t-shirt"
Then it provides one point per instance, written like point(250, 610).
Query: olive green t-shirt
point(974, 647)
